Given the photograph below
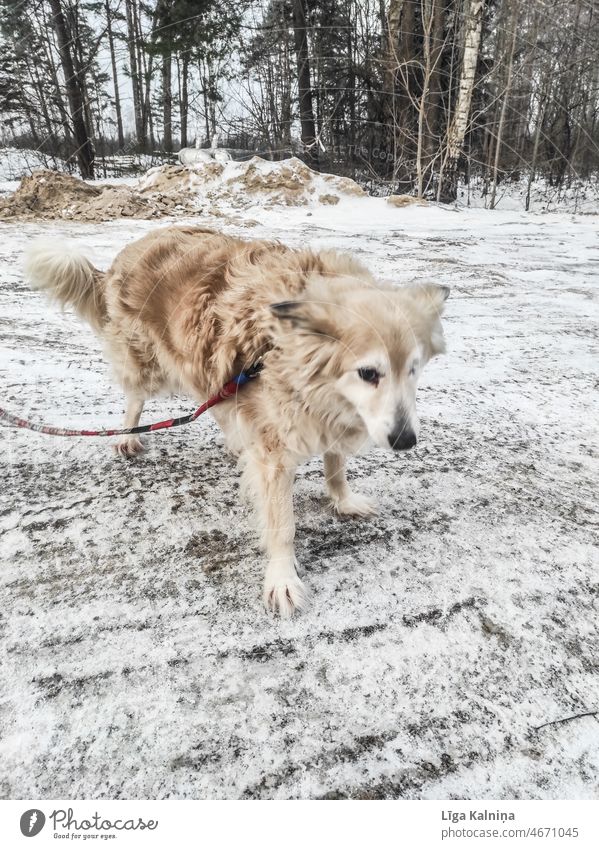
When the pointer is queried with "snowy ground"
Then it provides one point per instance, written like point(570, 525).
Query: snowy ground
point(136, 658)
point(576, 196)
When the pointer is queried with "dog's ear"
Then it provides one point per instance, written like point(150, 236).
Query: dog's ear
point(313, 317)
point(431, 297)
point(293, 311)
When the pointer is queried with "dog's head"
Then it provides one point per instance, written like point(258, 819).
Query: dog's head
point(366, 344)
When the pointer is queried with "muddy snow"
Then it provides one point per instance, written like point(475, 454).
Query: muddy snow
point(448, 637)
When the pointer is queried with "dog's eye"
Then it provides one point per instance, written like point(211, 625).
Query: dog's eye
point(370, 375)
point(413, 369)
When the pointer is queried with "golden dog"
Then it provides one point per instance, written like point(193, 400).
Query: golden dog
point(184, 309)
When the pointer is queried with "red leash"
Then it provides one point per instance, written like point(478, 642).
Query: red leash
point(228, 391)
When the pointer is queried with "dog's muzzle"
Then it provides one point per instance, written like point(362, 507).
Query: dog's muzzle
point(402, 437)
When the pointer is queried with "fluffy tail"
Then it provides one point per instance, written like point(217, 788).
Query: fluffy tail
point(66, 276)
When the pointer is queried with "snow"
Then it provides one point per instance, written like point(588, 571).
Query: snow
point(576, 195)
point(137, 661)
point(223, 187)
point(15, 163)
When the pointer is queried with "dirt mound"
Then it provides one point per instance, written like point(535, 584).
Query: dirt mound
point(289, 182)
point(123, 202)
point(51, 194)
point(179, 181)
point(405, 200)
point(170, 190)
point(41, 193)
point(239, 185)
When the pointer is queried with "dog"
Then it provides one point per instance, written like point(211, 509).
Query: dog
point(184, 309)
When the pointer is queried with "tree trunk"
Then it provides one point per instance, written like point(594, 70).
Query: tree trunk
point(167, 102)
point(146, 68)
point(204, 80)
point(391, 35)
point(48, 43)
point(432, 141)
point(286, 118)
point(115, 76)
point(405, 126)
point(428, 13)
point(142, 76)
point(506, 97)
point(459, 124)
point(400, 131)
point(73, 85)
point(135, 74)
point(184, 99)
point(304, 85)
point(532, 171)
point(351, 86)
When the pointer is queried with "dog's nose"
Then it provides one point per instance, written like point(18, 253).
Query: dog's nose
point(402, 439)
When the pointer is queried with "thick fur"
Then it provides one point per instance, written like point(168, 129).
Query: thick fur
point(184, 309)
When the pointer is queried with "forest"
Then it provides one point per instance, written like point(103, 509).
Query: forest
point(412, 95)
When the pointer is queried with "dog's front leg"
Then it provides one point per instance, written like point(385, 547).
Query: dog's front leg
point(345, 502)
point(129, 446)
point(272, 481)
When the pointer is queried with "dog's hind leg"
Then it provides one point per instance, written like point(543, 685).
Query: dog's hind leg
point(130, 446)
point(345, 502)
point(271, 483)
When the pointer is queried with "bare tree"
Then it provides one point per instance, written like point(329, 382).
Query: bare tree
point(506, 96)
point(309, 139)
point(75, 86)
point(134, 69)
point(115, 75)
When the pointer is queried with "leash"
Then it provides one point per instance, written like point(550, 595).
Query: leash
point(228, 391)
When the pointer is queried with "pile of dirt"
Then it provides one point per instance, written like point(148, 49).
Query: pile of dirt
point(289, 182)
point(405, 200)
point(239, 185)
point(51, 194)
point(179, 182)
point(121, 201)
point(170, 190)
point(41, 193)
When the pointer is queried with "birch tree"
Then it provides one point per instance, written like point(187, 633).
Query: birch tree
point(459, 124)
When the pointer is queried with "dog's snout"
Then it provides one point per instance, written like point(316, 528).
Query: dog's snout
point(402, 438)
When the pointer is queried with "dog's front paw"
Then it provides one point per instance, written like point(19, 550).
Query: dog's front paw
point(130, 447)
point(284, 594)
point(355, 505)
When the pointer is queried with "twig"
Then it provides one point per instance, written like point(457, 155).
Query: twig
point(566, 719)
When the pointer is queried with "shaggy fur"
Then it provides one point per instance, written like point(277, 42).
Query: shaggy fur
point(183, 309)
